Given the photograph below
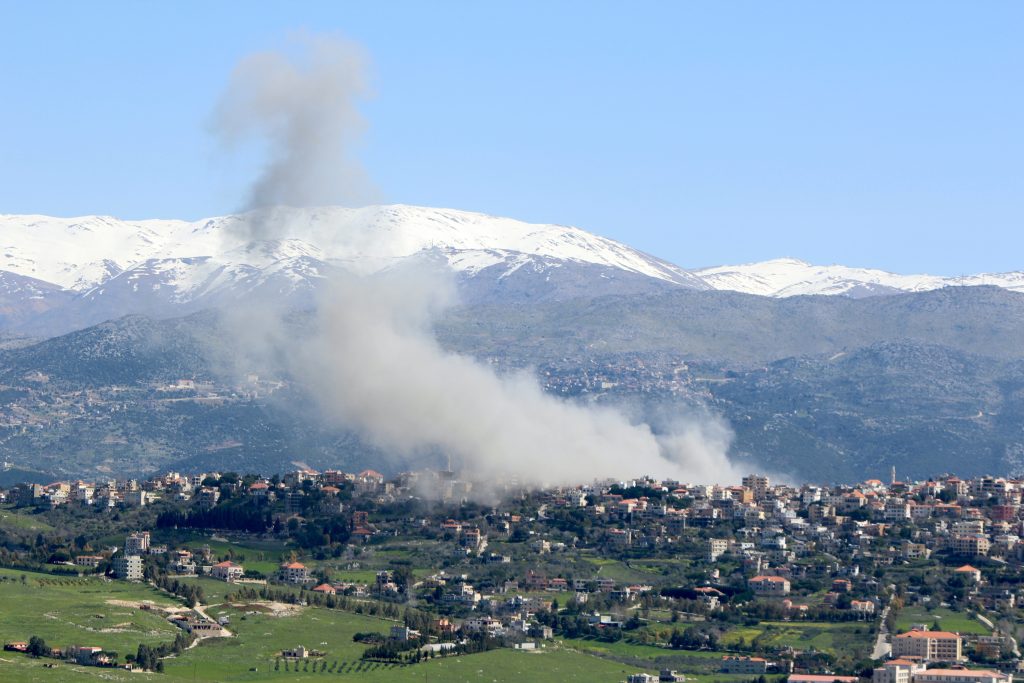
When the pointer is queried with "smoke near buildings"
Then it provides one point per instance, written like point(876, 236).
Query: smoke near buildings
point(372, 360)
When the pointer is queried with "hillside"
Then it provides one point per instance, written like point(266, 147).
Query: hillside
point(819, 388)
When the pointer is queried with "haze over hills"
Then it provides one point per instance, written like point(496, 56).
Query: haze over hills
point(61, 274)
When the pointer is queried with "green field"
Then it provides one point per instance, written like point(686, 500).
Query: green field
point(832, 638)
point(635, 571)
point(76, 611)
point(960, 622)
point(9, 519)
point(626, 649)
point(497, 666)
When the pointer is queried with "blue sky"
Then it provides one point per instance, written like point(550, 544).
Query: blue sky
point(874, 134)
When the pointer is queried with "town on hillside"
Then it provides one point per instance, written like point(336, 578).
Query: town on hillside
point(896, 582)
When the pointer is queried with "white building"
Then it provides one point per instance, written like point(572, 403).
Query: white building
point(128, 567)
point(137, 543)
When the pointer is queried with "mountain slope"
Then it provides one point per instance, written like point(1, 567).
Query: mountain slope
point(820, 388)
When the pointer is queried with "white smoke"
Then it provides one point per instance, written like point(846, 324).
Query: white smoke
point(305, 110)
point(373, 363)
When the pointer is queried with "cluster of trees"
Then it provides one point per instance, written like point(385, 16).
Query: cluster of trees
point(234, 517)
point(763, 610)
point(341, 602)
point(37, 647)
point(392, 650)
point(693, 638)
point(149, 658)
point(578, 626)
point(190, 592)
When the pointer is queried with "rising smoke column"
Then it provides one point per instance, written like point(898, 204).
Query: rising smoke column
point(305, 111)
point(372, 362)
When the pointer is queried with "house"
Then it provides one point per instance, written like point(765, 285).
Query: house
point(961, 676)
point(208, 497)
point(259, 490)
point(137, 543)
point(928, 645)
point(87, 655)
point(769, 585)
point(482, 624)
point(737, 664)
point(297, 652)
point(716, 548)
point(709, 596)
point(864, 607)
point(896, 671)
point(969, 572)
point(403, 634)
point(842, 586)
point(136, 498)
point(182, 563)
point(294, 572)
point(91, 561)
point(641, 678)
point(970, 544)
point(203, 628)
point(128, 567)
point(227, 571)
point(325, 589)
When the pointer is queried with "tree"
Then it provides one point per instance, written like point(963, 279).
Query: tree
point(37, 647)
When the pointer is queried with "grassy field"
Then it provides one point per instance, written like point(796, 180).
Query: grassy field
point(949, 620)
point(625, 648)
point(78, 611)
point(636, 571)
point(497, 666)
point(832, 638)
point(68, 611)
point(9, 519)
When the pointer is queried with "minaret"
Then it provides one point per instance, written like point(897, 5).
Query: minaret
point(893, 480)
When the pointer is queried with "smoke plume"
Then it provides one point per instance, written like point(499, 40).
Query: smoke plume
point(305, 111)
point(372, 361)
point(376, 364)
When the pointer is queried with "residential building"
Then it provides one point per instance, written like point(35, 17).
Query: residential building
point(91, 561)
point(294, 572)
point(137, 543)
point(716, 548)
point(128, 567)
point(940, 646)
point(227, 571)
point(769, 586)
point(738, 664)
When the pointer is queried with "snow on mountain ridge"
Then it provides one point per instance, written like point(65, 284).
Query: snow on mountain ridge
point(190, 259)
point(83, 253)
point(792, 277)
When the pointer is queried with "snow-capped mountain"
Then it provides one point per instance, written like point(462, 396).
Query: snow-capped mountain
point(82, 253)
point(111, 267)
point(59, 274)
point(792, 277)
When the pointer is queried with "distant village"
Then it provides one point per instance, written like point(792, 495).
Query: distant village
point(528, 568)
